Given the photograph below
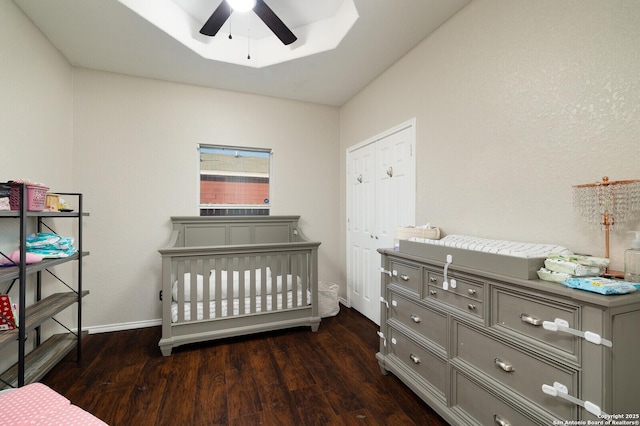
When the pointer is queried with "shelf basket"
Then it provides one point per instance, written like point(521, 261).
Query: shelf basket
point(36, 197)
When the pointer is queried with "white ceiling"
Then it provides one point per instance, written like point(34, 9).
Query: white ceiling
point(318, 29)
point(107, 35)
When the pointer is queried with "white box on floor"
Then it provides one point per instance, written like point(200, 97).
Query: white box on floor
point(328, 304)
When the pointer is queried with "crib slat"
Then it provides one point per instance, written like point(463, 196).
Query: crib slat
point(239, 292)
point(206, 288)
point(204, 273)
point(179, 265)
point(304, 274)
point(253, 282)
point(284, 262)
point(293, 296)
point(267, 262)
point(218, 266)
point(193, 288)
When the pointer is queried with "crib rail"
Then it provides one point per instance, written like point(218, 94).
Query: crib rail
point(219, 291)
point(237, 282)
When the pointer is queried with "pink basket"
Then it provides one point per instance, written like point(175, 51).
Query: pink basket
point(36, 197)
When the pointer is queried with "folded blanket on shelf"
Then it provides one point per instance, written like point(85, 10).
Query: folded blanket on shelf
point(50, 245)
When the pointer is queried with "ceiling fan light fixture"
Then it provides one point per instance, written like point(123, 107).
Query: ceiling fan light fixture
point(242, 6)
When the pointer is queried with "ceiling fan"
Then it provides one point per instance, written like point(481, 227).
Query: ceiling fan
point(264, 12)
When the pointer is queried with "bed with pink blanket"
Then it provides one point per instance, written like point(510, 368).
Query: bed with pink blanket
point(37, 404)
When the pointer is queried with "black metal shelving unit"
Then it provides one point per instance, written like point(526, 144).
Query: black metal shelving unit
point(34, 364)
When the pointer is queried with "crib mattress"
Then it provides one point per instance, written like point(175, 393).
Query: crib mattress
point(511, 258)
point(225, 311)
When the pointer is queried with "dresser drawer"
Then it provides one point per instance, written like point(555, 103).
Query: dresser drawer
point(463, 303)
point(464, 286)
point(524, 313)
point(427, 365)
point(426, 322)
point(515, 369)
point(406, 275)
point(483, 406)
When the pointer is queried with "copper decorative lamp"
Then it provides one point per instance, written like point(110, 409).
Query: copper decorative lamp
point(607, 203)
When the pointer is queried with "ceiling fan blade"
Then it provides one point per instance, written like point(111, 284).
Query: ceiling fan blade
point(274, 23)
point(217, 19)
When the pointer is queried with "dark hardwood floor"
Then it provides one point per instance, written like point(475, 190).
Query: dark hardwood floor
point(291, 377)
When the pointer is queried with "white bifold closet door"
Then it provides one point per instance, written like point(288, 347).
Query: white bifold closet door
point(381, 189)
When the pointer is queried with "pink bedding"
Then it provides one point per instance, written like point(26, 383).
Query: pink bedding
point(37, 404)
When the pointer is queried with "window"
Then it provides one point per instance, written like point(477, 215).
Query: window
point(234, 181)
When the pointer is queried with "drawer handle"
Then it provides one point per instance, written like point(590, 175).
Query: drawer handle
point(414, 358)
point(433, 292)
point(433, 279)
point(500, 421)
point(530, 319)
point(471, 306)
point(415, 318)
point(404, 277)
point(504, 365)
point(471, 291)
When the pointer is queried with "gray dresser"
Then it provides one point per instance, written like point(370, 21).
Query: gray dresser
point(482, 350)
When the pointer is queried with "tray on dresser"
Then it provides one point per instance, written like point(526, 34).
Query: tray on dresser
point(511, 266)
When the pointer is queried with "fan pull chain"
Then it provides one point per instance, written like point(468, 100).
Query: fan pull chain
point(230, 37)
point(248, 36)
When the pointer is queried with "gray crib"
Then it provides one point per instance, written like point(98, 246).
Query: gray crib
point(236, 275)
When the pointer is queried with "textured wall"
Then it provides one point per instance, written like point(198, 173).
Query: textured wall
point(515, 102)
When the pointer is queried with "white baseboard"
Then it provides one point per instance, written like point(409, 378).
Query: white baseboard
point(143, 324)
point(123, 326)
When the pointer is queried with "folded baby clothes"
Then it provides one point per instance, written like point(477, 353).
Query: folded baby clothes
point(556, 277)
point(601, 262)
point(559, 267)
point(49, 245)
point(573, 268)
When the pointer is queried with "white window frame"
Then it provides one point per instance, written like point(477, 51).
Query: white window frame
point(265, 208)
